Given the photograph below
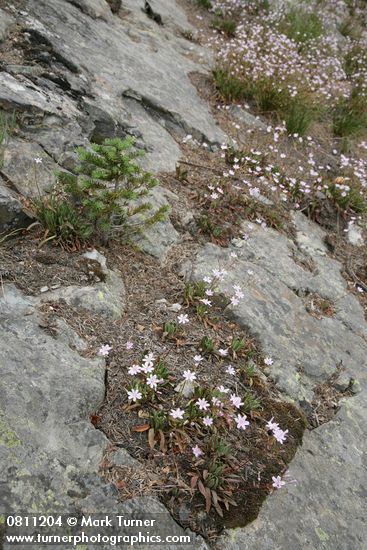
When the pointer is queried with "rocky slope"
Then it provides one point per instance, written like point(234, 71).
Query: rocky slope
point(75, 71)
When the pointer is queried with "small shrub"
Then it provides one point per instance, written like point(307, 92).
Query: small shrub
point(100, 200)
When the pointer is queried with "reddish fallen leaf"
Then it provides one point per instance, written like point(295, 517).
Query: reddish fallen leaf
point(120, 483)
point(194, 481)
point(95, 419)
point(141, 428)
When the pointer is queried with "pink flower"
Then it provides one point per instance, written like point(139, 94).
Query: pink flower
point(280, 435)
point(134, 395)
point(272, 425)
point(129, 345)
point(153, 381)
point(104, 350)
point(189, 375)
point(202, 404)
point(197, 451)
point(277, 482)
point(177, 413)
point(242, 423)
point(135, 369)
point(236, 401)
point(207, 421)
point(183, 319)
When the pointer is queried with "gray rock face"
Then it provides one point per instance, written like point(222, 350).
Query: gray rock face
point(106, 298)
point(88, 74)
point(29, 177)
point(326, 508)
point(49, 450)
point(11, 213)
point(305, 350)
point(6, 20)
point(147, 65)
point(160, 237)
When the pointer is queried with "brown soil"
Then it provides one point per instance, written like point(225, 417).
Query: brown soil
point(168, 468)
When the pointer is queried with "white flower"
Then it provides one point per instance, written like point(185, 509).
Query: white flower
point(202, 404)
point(241, 421)
point(209, 292)
point(270, 425)
point(217, 402)
point(236, 401)
point(230, 370)
point(198, 358)
point(148, 362)
point(223, 352)
point(222, 389)
point(235, 301)
point(280, 435)
point(147, 367)
point(206, 301)
point(183, 319)
point(268, 361)
point(134, 395)
point(189, 375)
point(129, 345)
point(197, 451)
point(207, 280)
point(135, 369)
point(207, 421)
point(177, 413)
point(153, 381)
point(277, 482)
point(38, 160)
point(104, 350)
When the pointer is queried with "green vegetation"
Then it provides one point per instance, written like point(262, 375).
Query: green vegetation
point(98, 202)
point(299, 117)
point(350, 115)
point(206, 4)
point(230, 87)
point(347, 199)
point(355, 60)
point(225, 25)
point(301, 25)
point(350, 28)
point(298, 113)
point(7, 125)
